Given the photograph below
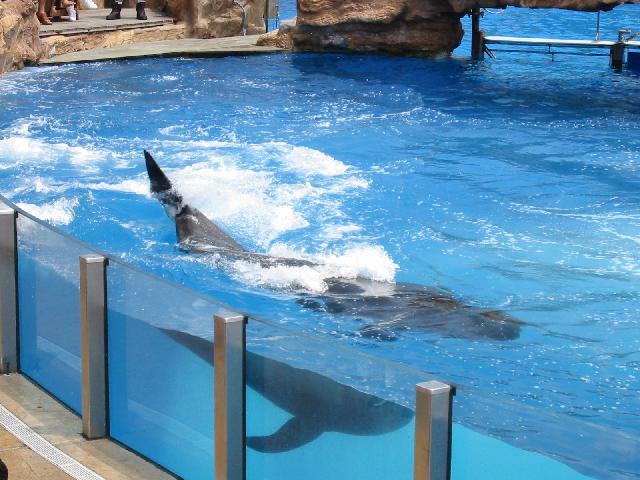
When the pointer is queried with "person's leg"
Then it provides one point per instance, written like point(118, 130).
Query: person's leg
point(42, 16)
point(140, 13)
point(116, 6)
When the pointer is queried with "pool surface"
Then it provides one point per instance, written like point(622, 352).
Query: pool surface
point(512, 184)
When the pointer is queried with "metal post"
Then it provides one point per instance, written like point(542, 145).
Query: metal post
point(617, 50)
point(477, 36)
point(8, 291)
point(598, 27)
point(617, 55)
point(93, 340)
point(266, 16)
point(229, 396)
point(432, 451)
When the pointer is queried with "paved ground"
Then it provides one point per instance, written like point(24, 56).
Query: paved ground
point(168, 48)
point(95, 21)
point(23, 463)
point(62, 429)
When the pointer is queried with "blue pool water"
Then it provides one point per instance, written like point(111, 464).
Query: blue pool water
point(513, 184)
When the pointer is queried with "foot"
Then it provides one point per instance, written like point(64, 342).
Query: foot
point(43, 19)
point(114, 15)
point(140, 13)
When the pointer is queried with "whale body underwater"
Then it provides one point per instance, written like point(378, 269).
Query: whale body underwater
point(316, 403)
point(386, 309)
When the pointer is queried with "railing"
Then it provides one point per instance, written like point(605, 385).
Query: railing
point(134, 355)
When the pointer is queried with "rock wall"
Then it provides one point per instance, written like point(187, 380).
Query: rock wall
point(61, 44)
point(399, 27)
point(19, 41)
point(217, 18)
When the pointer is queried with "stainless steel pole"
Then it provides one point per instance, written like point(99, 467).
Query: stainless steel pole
point(93, 313)
point(8, 291)
point(432, 452)
point(229, 396)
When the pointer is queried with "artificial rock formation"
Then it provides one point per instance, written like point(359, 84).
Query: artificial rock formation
point(217, 18)
point(19, 41)
point(406, 27)
point(61, 44)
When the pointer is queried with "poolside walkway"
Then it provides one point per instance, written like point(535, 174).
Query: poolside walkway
point(187, 47)
point(61, 429)
point(24, 463)
point(92, 21)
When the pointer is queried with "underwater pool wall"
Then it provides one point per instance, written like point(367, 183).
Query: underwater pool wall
point(306, 407)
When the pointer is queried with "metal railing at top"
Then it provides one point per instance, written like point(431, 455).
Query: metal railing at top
point(433, 399)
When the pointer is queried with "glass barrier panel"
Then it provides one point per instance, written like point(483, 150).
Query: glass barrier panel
point(161, 371)
point(49, 310)
point(502, 440)
point(320, 411)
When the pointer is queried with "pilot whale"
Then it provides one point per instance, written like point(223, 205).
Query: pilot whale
point(316, 403)
point(386, 309)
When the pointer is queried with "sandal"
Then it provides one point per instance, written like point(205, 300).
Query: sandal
point(43, 19)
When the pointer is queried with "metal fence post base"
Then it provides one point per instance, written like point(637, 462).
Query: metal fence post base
point(229, 396)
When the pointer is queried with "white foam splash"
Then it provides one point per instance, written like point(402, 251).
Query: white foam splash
point(59, 212)
point(362, 261)
point(20, 147)
point(245, 199)
point(336, 232)
point(312, 162)
point(139, 186)
point(239, 186)
point(280, 277)
point(21, 150)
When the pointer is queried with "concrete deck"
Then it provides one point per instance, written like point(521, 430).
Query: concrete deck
point(92, 21)
point(62, 429)
point(187, 47)
point(23, 463)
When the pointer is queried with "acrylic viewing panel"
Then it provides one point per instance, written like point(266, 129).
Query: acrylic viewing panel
point(160, 371)
point(49, 309)
point(566, 449)
point(317, 411)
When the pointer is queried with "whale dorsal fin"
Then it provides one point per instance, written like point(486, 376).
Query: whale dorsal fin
point(193, 229)
point(293, 434)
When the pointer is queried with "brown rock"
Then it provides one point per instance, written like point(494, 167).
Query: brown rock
point(217, 18)
point(399, 27)
point(281, 38)
point(19, 41)
point(61, 44)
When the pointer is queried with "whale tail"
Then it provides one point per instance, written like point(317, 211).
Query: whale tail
point(195, 232)
point(162, 189)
